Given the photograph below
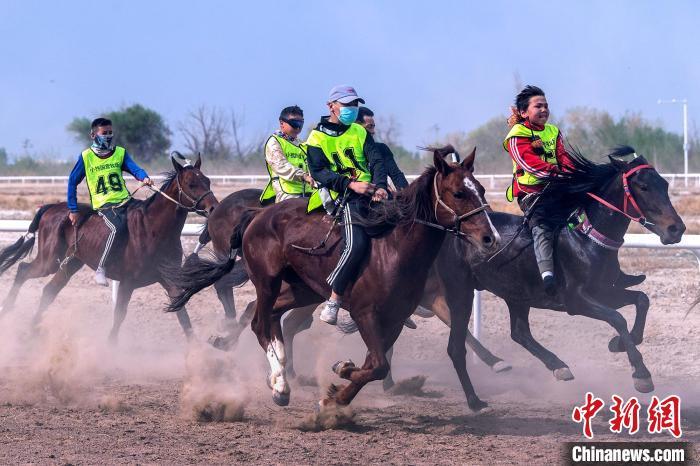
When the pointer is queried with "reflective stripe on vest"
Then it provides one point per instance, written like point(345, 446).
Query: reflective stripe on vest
point(548, 136)
point(297, 157)
point(104, 177)
point(345, 153)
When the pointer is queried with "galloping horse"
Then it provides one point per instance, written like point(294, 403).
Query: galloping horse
point(444, 198)
point(154, 228)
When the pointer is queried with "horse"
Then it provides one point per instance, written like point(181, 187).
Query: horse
point(590, 282)
point(154, 228)
point(218, 228)
point(286, 274)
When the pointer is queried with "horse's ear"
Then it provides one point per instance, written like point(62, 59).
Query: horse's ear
point(439, 161)
point(198, 163)
point(176, 164)
point(468, 161)
point(618, 163)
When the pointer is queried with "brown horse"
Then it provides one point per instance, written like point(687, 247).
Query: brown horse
point(154, 228)
point(442, 199)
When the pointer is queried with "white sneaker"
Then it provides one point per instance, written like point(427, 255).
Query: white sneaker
point(329, 314)
point(100, 277)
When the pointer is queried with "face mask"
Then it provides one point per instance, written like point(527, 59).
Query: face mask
point(348, 115)
point(102, 142)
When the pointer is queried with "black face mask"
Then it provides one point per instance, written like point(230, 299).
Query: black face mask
point(296, 123)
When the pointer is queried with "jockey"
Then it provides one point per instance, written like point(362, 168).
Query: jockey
point(343, 158)
point(365, 118)
point(285, 159)
point(537, 150)
point(102, 165)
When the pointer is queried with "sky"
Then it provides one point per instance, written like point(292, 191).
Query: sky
point(427, 63)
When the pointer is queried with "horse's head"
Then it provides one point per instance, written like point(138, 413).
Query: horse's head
point(193, 187)
point(649, 191)
point(459, 202)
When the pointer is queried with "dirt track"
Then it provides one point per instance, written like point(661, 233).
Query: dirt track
point(67, 397)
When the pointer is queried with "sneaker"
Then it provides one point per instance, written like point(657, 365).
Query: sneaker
point(100, 277)
point(410, 324)
point(550, 284)
point(329, 314)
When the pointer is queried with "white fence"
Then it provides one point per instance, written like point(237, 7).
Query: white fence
point(632, 240)
point(489, 181)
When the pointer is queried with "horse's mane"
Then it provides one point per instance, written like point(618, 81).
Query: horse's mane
point(409, 204)
point(565, 193)
point(146, 203)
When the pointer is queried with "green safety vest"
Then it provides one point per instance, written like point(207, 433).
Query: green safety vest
point(345, 155)
point(549, 136)
point(104, 177)
point(297, 157)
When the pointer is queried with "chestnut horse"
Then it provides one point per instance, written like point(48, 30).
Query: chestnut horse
point(154, 228)
point(443, 199)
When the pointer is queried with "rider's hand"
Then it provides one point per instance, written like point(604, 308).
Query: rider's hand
point(362, 187)
point(147, 181)
point(73, 217)
point(380, 194)
point(309, 180)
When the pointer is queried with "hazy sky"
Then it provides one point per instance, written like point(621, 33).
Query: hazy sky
point(450, 64)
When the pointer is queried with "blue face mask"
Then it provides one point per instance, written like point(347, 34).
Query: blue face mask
point(102, 142)
point(348, 115)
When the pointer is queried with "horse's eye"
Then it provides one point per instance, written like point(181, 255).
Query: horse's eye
point(642, 186)
point(459, 194)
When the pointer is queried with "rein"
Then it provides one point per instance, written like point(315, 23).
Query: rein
point(181, 192)
point(628, 199)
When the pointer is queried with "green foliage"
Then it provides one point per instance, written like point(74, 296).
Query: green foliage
point(488, 140)
point(141, 130)
point(3, 157)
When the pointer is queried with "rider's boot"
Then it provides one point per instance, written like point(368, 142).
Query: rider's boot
point(544, 252)
point(100, 277)
point(329, 313)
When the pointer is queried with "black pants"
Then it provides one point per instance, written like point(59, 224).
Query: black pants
point(542, 233)
point(357, 244)
point(116, 221)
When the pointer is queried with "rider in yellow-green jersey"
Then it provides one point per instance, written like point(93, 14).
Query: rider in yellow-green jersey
point(101, 165)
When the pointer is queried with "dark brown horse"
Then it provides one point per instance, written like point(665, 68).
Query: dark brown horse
point(392, 280)
point(154, 228)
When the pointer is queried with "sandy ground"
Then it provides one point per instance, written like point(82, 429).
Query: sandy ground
point(67, 396)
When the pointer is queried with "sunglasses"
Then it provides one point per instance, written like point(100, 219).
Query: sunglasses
point(294, 122)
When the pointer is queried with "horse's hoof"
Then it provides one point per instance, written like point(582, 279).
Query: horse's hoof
point(615, 345)
point(476, 404)
point(280, 399)
point(563, 373)
point(501, 366)
point(423, 312)
point(643, 385)
point(339, 366)
point(388, 384)
point(218, 342)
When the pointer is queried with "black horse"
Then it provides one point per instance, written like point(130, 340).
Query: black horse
point(587, 264)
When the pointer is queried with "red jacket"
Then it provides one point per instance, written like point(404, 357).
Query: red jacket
point(524, 156)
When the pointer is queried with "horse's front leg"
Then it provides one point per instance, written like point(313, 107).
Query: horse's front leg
point(376, 366)
point(582, 303)
point(618, 298)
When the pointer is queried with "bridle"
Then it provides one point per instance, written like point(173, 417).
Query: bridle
point(180, 194)
point(456, 218)
point(628, 199)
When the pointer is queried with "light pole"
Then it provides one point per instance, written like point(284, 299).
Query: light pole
point(685, 131)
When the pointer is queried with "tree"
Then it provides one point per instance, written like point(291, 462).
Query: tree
point(488, 140)
point(141, 130)
point(3, 157)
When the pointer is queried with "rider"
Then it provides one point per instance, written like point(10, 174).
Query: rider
point(538, 151)
point(102, 164)
point(286, 160)
point(344, 158)
point(365, 118)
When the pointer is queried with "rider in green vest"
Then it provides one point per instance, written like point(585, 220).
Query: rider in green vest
point(344, 160)
point(285, 159)
point(101, 165)
point(538, 151)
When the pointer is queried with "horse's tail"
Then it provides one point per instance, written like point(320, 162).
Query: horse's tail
point(24, 245)
point(197, 274)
